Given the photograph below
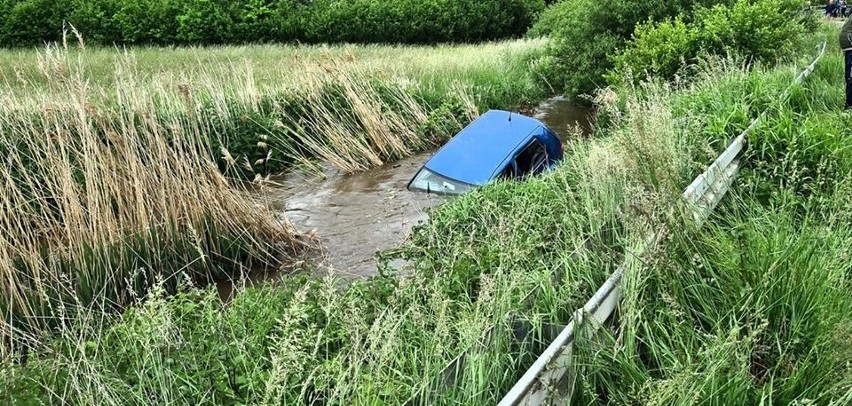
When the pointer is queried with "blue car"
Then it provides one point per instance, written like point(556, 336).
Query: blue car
point(497, 144)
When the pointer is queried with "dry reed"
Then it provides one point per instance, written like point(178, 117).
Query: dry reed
point(99, 201)
point(108, 190)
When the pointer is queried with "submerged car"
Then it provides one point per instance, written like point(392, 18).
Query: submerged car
point(498, 144)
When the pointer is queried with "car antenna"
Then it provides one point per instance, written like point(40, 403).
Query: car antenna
point(510, 116)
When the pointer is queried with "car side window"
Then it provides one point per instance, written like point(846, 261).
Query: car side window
point(531, 160)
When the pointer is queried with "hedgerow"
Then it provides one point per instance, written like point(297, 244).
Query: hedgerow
point(184, 22)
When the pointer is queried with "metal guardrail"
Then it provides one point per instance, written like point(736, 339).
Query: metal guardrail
point(703, 194)
point(521, 330)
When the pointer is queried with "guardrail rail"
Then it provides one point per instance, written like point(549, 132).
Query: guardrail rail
point(540, 381)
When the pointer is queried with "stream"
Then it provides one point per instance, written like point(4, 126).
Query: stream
point(357, 215)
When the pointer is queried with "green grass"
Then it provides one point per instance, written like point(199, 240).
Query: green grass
point(533, 251)
point(749, 310)
point(752, 308)
point(270, 106)
point(497, 67)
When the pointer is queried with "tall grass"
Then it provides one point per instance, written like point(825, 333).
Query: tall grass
point(753, 309)
point(750, 310)
point(99, 202)
point(746, 294)
point(271, 107)
point(344, 118)
point(514, 253)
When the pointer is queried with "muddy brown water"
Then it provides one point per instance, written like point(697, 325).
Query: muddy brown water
point(565, 117)
point(357, 215)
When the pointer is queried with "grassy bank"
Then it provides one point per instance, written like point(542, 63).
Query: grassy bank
point(117, 169)
point(268, 106)
point(752, 309)
point(529, 251)
point(278, 65)
point(99, 204)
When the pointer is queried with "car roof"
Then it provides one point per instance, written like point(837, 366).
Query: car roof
point(473, 155)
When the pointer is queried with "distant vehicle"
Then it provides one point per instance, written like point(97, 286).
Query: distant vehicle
point(498, 144)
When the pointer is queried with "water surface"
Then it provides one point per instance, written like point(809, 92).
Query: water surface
point(357, 215)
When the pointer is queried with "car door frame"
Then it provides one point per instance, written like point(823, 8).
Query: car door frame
point(537, 135)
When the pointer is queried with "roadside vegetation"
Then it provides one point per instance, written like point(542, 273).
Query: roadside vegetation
point(118, 178)
point(746, 308)
point(596, 43)
point(207, 22)
point(751, 308)
point(121, 204)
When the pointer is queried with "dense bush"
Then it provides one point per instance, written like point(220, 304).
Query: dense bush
point(147, 21)
point(264, 21)
point(591, 37)
point(760, 30)
point(417, 21)
point(98, 19)
point(204, 21)
point(32, 21)
point(587, 33)
point(167, 22)
point(657, 49)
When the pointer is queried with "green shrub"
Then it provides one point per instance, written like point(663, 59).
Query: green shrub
point(33, 21)
point(147, 22)
point(587, 33)
point(656, 49)
point(96, 18)
point(414, 21)
point(265, 21)
point(168, 22)
point(759, 31)
point(204, 22)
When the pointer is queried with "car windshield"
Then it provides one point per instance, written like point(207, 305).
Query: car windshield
point(431, 182)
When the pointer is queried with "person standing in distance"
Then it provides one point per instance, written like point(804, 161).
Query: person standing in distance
point(846, 47)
